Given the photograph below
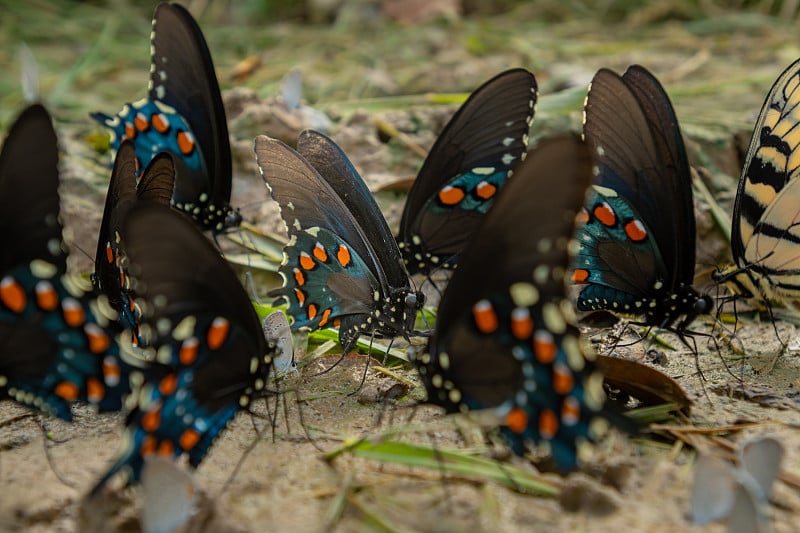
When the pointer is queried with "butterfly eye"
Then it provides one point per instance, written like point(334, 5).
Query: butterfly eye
point(702, 305)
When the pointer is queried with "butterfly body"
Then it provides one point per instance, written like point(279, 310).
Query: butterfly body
point(764, 232)
point(341, 265)
point(183, 115)
point(468, 164)
point(57, 342)
point(505, 337)
point(210, 356)
point(636, 254)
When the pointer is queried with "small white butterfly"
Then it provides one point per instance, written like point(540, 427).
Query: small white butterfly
point(168, 496)
point(739, 493)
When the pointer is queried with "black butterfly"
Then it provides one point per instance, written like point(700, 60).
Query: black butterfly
point(56, 341)
point(764, 238)
point(341, 266)
point(505, 337)
point(183, 115)
point(470, 161)
point(637, 244)
point(110, 275)
point(211, 357)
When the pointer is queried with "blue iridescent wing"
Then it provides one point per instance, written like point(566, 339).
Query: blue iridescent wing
point(470, 161)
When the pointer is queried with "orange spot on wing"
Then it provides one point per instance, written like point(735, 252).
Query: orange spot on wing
point(312, 311)
point(325, 315)
point(305, 261)
point(343, 255)
point(521, 323)
point(583, 216)
point(635, 231)
point(95, 391)
point(161, 123)
point(450, 195)
point(12, 295)
point(148, 446)
point(605, 214)
point(570, 411)
point(299, 278)
point(74, 315)
point(109, 253)
point(188, 352)
point(485, 316)
point(544, 347)
point(218, 333)
point(46, 296)
point(517, 420)
point(166, 449)
point(548, 424)
point(141, 122)
point(189, 439)
point(185, 142)
point(320, 253)
point(300, 295)
point(130, 131)
point(168, 384)
point(485, 190)
point(111, 370)
point(580, 275)
point(67, 391)
point(99, 342)
point(152, 419)
point(563, 380)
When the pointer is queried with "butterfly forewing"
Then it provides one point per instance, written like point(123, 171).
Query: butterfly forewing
point(29, 218)
point(470, 161)
point(337, 170)
point(183, 77)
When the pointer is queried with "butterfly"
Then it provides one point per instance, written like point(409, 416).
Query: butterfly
point(470, 161)
point(505, 337)
point(156, 185)
point(183, 115)
point(210, 356)
point(764, 232)
point(341, 266)
point(637, 242)
point(57, 342)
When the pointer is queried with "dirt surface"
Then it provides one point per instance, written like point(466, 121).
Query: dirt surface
point(717, 69)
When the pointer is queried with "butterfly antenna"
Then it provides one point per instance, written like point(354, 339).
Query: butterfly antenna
point(366, 367)
point(48, 437)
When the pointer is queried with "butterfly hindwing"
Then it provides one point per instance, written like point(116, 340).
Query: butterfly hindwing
point(470, 161)
point(505, 336)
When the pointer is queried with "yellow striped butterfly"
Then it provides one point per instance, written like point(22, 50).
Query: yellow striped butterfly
point(765, 237)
